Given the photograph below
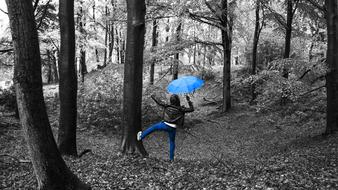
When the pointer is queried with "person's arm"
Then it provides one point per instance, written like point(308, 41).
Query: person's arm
point(191, 106)
point(159, 102)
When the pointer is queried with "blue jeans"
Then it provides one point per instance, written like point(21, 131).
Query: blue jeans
point(161, 126)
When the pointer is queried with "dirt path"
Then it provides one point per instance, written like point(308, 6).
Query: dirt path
point(240, 134)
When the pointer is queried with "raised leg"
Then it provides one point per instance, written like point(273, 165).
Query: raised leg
point(161, 126)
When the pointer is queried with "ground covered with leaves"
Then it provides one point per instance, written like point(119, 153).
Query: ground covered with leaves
point(242, 149)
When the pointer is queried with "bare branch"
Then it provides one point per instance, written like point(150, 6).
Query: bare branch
point(315, 89)
point(317, 5)
point(295, 8)
point(212, 10)
point(43, 14)
point(35, 5)
point(276, 15)
point(4, 11)
point(206, 20)
point(6, 50)
point(208, 42)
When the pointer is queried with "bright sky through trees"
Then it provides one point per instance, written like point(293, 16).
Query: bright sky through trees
point(3, 17)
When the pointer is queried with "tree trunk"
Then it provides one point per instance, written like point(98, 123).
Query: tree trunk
point(50, 170)
point(106, 39)
point(55, 65)
point(83, 67)
point(133, 71)
point(332, 62)
point(111, 35)
point(54, 68)
point(314, 32)
point(254, 49)
point(111, 42)
point(82, 22)
point(194, 60)
point(122, 48)
point(288, 33)
point(226, 41)
point(154, 44)
point(177, 55)
point(118, 57)
point(68, 80)
point(49, 68)
point(94, 18)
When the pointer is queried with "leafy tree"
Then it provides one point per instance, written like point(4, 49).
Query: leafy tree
point(133, 71)
point(50, 169)
point(68, 80)
point(258, 28)
point(221, 15)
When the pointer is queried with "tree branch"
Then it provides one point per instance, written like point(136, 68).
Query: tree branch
point(276, 15)
point(35, 5)
point(313, 90)
point(196, 40)
point(4, 11)
point(295, 8)
point(43, 14)
point(6, 50)
point(208, 43)
point(317, 5)
point(212, 10)
point(206, 20)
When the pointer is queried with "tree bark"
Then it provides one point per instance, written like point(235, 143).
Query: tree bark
point(154, 44)
point(83, 70)
point(49, 68)
point(288, 33)
point(94, 18)
point(54, 68)
point(50, 170)
point(177, 55)
point(68, 80)
point(133, 71)
point(332, 62)
point(118, 57)
point(254, 48)
point(226, 41)
point(106, 39)
point(111, 35)
point(122, 48)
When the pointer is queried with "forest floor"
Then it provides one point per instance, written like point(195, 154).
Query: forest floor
point(242, 149)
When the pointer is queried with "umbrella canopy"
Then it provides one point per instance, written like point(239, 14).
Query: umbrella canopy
point(185, 84)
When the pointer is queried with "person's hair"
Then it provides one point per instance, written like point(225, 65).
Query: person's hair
point(175, 100)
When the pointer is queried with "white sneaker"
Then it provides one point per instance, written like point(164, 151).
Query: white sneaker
point(139, 134)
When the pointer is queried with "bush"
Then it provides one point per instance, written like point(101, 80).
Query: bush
point(8, 98)
point(273, 90)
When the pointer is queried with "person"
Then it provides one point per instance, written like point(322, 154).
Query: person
point(173, 118)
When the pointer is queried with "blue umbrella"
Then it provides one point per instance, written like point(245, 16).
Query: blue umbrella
point(185, 84)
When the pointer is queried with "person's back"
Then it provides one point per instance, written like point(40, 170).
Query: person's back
point(174, 113)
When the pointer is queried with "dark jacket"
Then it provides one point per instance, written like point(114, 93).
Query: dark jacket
point(174, 114)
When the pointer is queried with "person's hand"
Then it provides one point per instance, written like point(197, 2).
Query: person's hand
point(187, 97)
